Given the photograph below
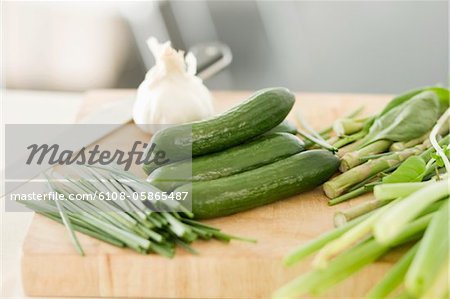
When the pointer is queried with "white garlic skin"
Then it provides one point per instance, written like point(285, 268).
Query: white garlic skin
point(171, 93)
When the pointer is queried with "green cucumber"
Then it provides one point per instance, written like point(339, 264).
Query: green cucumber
point(284, 127)
point(261, 112)
point(260, 186)
point(266, 149)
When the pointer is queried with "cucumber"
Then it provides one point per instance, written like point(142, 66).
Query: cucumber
point(285, 127)
point(266, 149)
point(260, 186)
point(261, 112)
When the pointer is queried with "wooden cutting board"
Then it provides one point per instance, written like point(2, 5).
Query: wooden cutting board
point(51, 266)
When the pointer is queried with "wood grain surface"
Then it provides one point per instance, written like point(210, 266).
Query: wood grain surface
point(51, 266)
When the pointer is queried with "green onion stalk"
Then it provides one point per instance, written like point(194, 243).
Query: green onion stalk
point(394, 277)
point(322, 279)
point(433, 250)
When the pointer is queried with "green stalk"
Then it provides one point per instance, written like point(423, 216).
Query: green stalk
point(355, 158)
point(319, 281)
point(403, 295)
point(331, 140)
point(338, 185)
point(348, 148)
point(413, 230)
point(442, 121)
point(127, 237)
point(427, 154)
point(359, 257)
point(350, 139)
point(353, 236)
point(397, 146)
point(69, 227)
point(433, 250)
point(324, 132)
point(92, 233)
point(307, 127)
point(375, 156)
point(349, 195)
point(394, 220)
point(397, 190)
point(347, 126)
point(440, 287)
point(198, 224)
point(401, 145)
point(343, 217)
point(312, 246)
point(317, 141)
point(394, 277)
point(125, 223)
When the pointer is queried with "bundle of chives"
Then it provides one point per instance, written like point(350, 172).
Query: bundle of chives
point(126, 222)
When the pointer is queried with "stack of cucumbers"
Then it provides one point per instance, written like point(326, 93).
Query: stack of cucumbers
point(244, 158)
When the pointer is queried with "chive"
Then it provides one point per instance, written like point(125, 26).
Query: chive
point(68, 224)
point(177, 227)
point(125, 236)
point(228, 237)
point(163, 250)
point(89, 232)
point(199, 224)
point(201, 233)
point(128, 223)
point(186, 247)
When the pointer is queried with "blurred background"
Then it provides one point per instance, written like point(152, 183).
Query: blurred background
point(318, 46)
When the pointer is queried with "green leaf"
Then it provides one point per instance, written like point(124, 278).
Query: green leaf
point(438, 158)
point(399, 100)
point(407, 121)
point(412, 170)
point(442, 93)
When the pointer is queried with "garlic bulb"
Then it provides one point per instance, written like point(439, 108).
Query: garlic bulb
point(170, 92)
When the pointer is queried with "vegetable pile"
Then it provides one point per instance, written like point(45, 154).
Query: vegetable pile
point(410, 209)
point(374, 147)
